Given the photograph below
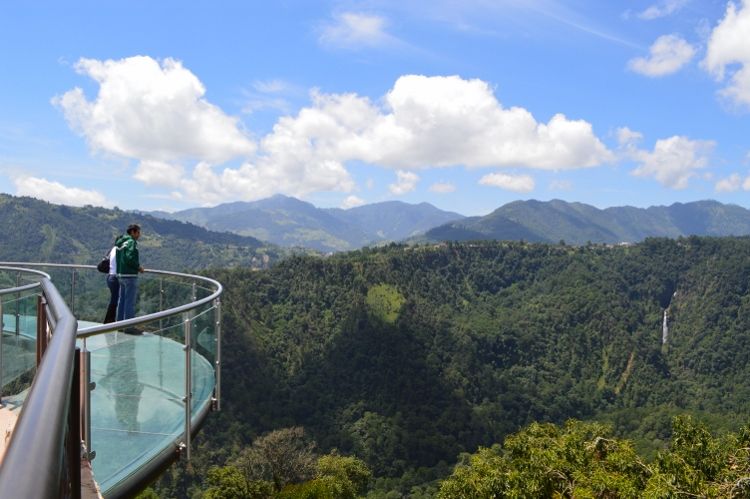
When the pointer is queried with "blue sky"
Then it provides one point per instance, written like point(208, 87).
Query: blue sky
point(465, 104)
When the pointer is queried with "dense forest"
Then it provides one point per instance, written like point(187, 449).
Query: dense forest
point(404, 359)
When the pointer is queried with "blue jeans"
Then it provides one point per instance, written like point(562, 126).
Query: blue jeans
point(114, 296)
point(128, 293)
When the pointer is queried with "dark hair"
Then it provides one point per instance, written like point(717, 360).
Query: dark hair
point(133, 228)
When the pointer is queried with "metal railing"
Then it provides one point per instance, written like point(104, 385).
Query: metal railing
point(39, 416)
point(39, 435)
point(16, 292)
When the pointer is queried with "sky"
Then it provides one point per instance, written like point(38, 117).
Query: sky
point(464, 104)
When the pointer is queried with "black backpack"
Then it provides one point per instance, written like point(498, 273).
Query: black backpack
point(103, 266)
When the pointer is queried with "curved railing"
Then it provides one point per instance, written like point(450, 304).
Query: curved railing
point(47, 429)
point(20, 272)
point(133, 385)
point(17, 302)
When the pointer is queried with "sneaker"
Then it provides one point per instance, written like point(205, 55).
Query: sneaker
point(133, 331)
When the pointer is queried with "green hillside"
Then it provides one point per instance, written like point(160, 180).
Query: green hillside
point(578, 223)
point(405, 357)
point(40, 231)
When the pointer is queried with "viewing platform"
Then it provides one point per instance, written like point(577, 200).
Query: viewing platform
point(81, 395)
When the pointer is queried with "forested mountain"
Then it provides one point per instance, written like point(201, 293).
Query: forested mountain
point(579, 223)
point(287, 221)
point(281, 220)
point(394, 220)
point(405, 357)
point(35, 230)
point(586, 460)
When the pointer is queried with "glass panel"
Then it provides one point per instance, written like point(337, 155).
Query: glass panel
point(86, 291)
point(203, 358)
point(91, 294)
point(137, 408)
point(18, 345)
point(15, 278)
point(161, 293)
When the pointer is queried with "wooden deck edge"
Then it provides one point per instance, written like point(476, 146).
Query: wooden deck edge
point(89, 487)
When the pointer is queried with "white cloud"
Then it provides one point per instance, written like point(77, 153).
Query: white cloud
point(446, 121)
point(442, 187)
point(729, 46)
point(151, 111)
point(667, 55)
point(352, 201)
point(662, 9)
point(55, 192)
point(673, 160)
point(628, 138)
point(733, 183)
point(159, 173)
point(426, 122)
point(406, 182)
point(263, 179)
point(729, 184)
point(156, 114)
point(516, 183)
point(352, 29)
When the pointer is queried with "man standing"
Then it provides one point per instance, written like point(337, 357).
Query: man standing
point(128, 267)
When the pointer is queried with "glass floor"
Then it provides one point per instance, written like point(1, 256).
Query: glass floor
point(137, 408)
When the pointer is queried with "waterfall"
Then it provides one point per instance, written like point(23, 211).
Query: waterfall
point(664, 328)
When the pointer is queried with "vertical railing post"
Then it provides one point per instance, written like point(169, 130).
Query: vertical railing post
point(18, 304)
point(74, 429)
point(161, 359)
point(1, 349)
point(85, 400)
point(188, 382)
point(161, 332)
point(217, 367)
point(41, 327)
point(72, 304)
point(161, 299)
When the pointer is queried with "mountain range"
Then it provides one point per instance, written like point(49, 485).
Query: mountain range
point(289, 222)
point(579, 223)
point(255, 233)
